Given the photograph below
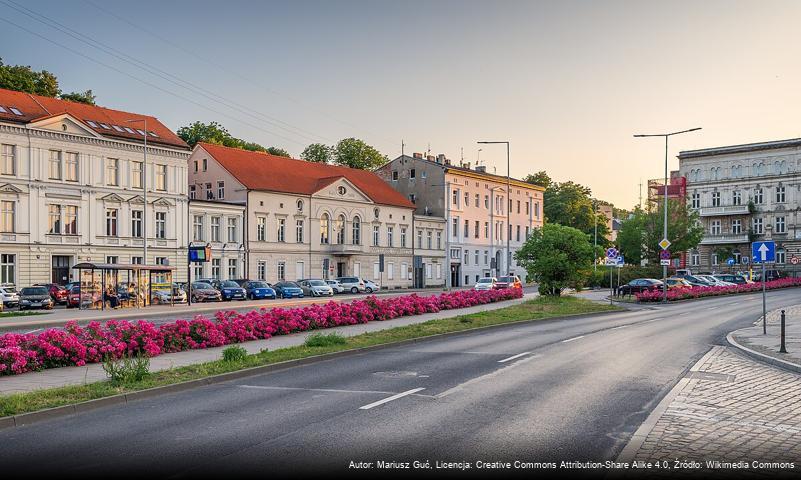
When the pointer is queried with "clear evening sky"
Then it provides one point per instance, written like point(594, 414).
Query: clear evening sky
point(568, 82)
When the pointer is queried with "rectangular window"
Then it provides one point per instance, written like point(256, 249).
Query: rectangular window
point(736, 198)
point(220, 190)
point(404, 268)
point(715, 199)
point(758, 196)
point(486, 202)
point(695, 259)
point(736, 227)
point(780, 196)
point(412, 174)
point(136, 223)
point(138, 261)
point(428, 239)
point(394, 175)
point(215, 229)
point(375, 235)
point(161, 177)
point(281, 229)
point(456, 198)
point(466, 199)
point(376, 272)
point(518, 206)
point(467, 257)
point(55, 165)
point(537, 210)
point(281, 271)
point(216, 268)
point(695, 201)
point(390, 271)
point(261, 270)
point(198, 273)
point(71, 220)
point(113, 259)
point(714, 227)
point(136, 177)
point(390, 240)
point(261, 229)
point(428, 270)
point(455, 228)
point(403, 237)
point(72, 167)
point(299, 231)
point(475, 258)
point(205, 164)
point(781, 256)
point(54, 219)
point(476, 229)
point(8, 264)
point(518, 233)
point(486, 257)
point(780, 226)
point(232, 269)
point(192, 192)
point(8, 159)
point(300, 270)
point(232, 230)
point(112, 171)
point(161, 224)
point(209, 192)
point(758, 226)
point(419, 238)
point(111, 222)
point(439, 240)
point(197, 227)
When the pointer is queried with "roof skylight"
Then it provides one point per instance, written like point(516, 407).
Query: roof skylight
point(3, 110)
point(15, 111)
point(118, 128)
point(105, 126)
point(92, 124)
point(129, 130)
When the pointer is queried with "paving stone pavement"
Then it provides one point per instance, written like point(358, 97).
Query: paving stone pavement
point(729, 408)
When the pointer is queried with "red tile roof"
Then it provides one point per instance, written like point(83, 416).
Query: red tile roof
point(35, 107)
point(262, 171)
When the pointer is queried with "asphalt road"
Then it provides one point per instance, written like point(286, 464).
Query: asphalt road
point(571, 389)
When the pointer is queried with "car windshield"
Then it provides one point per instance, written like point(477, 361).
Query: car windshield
point(34, 291)
point(9, 290)
point(229, 284)
point(259, 285)
point(484, 280)
point(317, 283)
point(506, 279)
point(201, 286)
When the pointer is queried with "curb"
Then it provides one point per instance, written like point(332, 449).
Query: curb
point(124, 398)
point(776, 362)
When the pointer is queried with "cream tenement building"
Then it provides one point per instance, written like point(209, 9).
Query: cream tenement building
point(71, 189)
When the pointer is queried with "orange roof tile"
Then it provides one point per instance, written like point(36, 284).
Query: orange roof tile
point(262, 171)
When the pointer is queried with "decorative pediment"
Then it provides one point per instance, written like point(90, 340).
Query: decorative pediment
point(64, 123)
point(161, 202)
point(9, 188)
point(113, 197)
point(340, 188)
point(137, 199)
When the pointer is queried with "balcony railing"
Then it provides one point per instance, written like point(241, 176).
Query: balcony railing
point(725, 238)
point(727, 210)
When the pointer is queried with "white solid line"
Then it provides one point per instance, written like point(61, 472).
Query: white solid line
point(513, 357)
point(618, 328)
point(328, 390)
point(389, 399)
point(33, 331)
point(571, 339)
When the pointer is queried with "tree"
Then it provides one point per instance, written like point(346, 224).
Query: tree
point(82, 97)
point(317, 152)
point(540, 178)
point(558, 257)
point(631, 236)
point(24, 79)
point(215, 133)
point(355, 153)
point(640, 235)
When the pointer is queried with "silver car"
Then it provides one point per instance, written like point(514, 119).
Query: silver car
point(336, 286)
point(352, 284)
point(486, 283)
point(9, 295)
point(316, 288)
point(371, 286)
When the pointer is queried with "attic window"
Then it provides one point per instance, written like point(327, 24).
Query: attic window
point(15, 111)
point(105, 126)
point(153, 134)
point(129, 130)
point(92, 124)
point(3, 110)
point(140, 132)
point(118, 128)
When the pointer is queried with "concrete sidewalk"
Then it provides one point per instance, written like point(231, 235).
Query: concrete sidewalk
point(753, 342)
point(59, 377)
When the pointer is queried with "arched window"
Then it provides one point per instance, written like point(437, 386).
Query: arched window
point(339, 228)
point(325, 229)
point(300, 205)
point(357, 231)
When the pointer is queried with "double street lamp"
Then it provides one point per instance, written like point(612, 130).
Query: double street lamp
point(665, 186)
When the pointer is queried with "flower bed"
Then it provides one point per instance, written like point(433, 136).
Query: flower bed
point(698, 292)
point(77, 346)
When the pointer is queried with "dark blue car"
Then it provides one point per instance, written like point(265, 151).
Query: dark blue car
point(230, 290)
point(288, 290)
point(258, 290)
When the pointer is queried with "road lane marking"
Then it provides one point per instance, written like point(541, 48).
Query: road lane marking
point(36, 330)
point(571, 339)
point(618, 328)
point(328, 390)
point(513, 357)
point(389, 399)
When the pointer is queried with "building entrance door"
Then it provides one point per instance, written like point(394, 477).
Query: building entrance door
point(455, 276)
point(61, 269)
point(341, 269)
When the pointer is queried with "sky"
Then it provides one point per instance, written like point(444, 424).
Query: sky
point(568, 83)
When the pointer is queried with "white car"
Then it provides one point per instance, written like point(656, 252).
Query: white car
point(336, 286)
point(714, 281)
point(9, 295)
point(486, 283)
point(351, 284)
point(370, 286)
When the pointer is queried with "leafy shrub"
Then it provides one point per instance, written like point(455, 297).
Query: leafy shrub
point(234, 354)
point(320, 340)
point(128, 369)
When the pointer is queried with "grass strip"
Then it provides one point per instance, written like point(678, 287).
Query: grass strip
point(537, 309)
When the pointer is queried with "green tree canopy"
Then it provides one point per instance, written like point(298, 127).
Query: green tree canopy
point(83, 97)
point(640, 235)
point(631, 237)
point(355, 153)
point(317, 152)
point(540, 178)
point(24, 79)
point(215, 133)
point(558, 257)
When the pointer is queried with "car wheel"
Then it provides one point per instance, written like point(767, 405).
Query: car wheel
point(369, 290)
point(354, 290)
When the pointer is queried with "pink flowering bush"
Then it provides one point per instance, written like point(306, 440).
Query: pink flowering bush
point(698, 292)
point(77, 346)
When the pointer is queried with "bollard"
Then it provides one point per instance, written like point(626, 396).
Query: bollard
point(782, 349)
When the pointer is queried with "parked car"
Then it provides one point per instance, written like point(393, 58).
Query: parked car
point(204, 292)
point(257, 290)
point(697, 281)
point(370, 286)
point(486, 283)
point(770, 275)
point(178, 295)
point(240, 281)
point(509, 281)
point(57, 293)
point(336, 286)
point(316, 288)
point(230, 290)
point(352, 284)
point(674, 282)
point(714, 281)
point(639, 285)
point(735, 279)
point(76, 300)
point(288, 290)
point(35, 297)
point(9, 295)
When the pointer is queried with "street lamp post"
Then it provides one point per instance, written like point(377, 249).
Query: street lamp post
point(595, 242)
point(665, 186)
point(508, 210)
point(144, 189)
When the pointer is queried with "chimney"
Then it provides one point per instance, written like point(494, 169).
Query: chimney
point(430, 158)
point(417, 155)
point(447, 161)
point(441, 158)
point(481, 168)
point(467, 165)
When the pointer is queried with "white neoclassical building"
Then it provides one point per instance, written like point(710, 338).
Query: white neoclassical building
point(745, 193)
point(308, 220)
point(72, 189)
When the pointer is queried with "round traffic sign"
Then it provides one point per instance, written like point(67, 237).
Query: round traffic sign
point(611, 252)
point(794, 260)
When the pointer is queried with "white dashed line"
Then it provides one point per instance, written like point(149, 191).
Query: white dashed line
point(571, 339)
point(38, 329)
point(389, 399)
point(513, 357)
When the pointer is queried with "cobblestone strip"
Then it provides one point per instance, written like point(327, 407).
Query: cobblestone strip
point(728, 408)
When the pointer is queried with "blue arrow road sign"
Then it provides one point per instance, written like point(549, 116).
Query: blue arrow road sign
point(763, 252)
point(730, 261)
